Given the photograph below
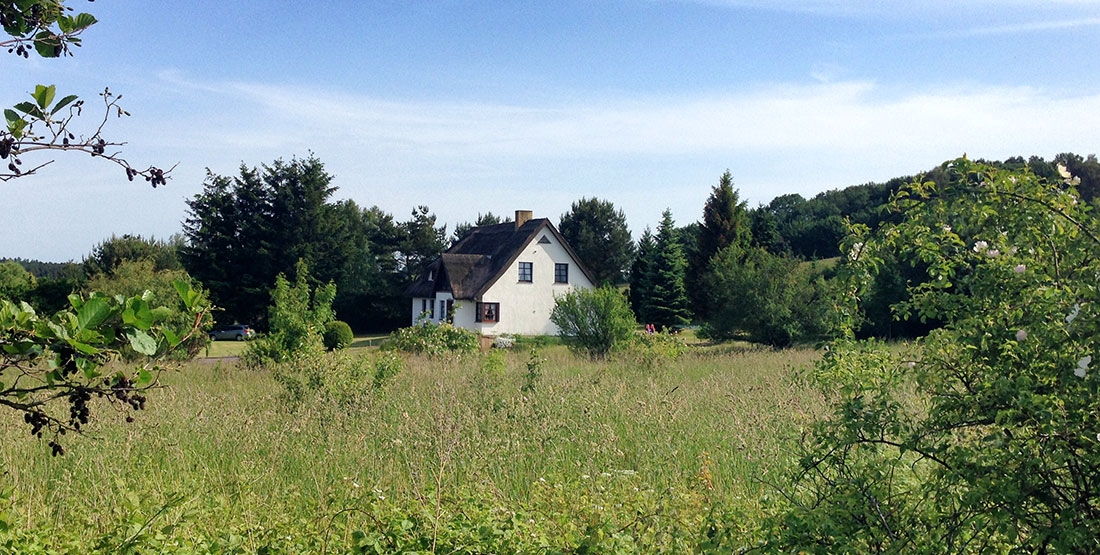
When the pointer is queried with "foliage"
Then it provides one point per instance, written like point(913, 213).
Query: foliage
point(46, 362)
point(243, 231)
point(487, 218)
point(641, 276)
point(997, 449)
point(46, 28)
point(334, 380)
point(667, 305)
point(595, 322)
point(297, 320)
point(337, 335)
point(433, 339)
point(15, 281)
point(141, 277)
point(421, 242)
point(725, 222)
point(597, 232)
point(107, 255)
point(775, 300)
point(651, 349)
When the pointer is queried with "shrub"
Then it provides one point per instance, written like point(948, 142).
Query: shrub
point(433, 339)
point(297, 320)
point(775, 300)
point(337, 335)
point(983, 435)
point(341, 378)
point(594, 321)
point(652, 348)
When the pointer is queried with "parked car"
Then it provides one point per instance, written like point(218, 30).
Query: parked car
point(238, 332)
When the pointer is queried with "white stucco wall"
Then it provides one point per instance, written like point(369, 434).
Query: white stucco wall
point(525, 307)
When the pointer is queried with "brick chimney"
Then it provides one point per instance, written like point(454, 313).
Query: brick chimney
point(522, 216)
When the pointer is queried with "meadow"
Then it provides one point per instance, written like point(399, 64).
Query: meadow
point(496, 452)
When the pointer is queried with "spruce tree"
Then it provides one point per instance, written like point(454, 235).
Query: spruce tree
point(668, 303)
point(641, 276)
point(725, 222)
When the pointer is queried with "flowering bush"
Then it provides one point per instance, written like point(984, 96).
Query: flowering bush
point(433, 339)
point(984, 435)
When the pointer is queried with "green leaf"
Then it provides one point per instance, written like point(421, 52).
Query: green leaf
point(27, 108)
point(83, 21)
point(144, 377)
point(11, 116)
point(63, 103)
point(48, 47)
point(186, 293)
point(137, 314)
point(142, 342)
point(83, 348)
point(93, 313)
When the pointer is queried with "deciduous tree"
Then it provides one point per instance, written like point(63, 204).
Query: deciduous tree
point(597, 232)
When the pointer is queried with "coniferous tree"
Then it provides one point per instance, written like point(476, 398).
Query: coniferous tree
point(641, 276)
point(725, 222)
point(668, 305)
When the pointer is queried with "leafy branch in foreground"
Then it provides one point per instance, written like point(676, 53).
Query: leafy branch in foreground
point(46, 362)
point(45, 27)
point(983, 436)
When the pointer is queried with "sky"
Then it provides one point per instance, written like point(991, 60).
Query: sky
point(471, 107)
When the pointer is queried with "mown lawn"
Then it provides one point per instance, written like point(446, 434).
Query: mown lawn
point(449, 456)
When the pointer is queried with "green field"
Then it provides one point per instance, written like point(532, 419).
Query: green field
point(448, 456)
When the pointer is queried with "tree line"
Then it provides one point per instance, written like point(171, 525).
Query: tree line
point(761, 273)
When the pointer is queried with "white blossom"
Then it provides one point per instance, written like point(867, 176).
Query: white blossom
point(1073, 313)
point(980, 246)
point(853, 254)
point(1021, 335)
point(992, 253)
point(1019, 269)
point(1062, 171)
point(1082, 366)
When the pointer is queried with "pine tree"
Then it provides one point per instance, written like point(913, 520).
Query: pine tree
point(668, 304)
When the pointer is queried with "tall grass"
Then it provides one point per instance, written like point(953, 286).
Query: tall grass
point(219, 454)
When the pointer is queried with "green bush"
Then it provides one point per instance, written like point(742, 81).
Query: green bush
point(775, 300)
point(650, 349)
point(297, 320)
point(594, 321)
point(341, 379)
point(982, 436)
point(433, 339)
point(337, 335)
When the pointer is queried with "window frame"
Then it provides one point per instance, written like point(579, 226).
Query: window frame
point(480, 312)
point(561, 269)
point(530, 267)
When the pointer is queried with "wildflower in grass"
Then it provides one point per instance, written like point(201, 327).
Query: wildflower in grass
point(1021, 335)
point(911, 364)
point(1019, 269)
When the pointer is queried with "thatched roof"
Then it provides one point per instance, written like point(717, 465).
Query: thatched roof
point(476, 261)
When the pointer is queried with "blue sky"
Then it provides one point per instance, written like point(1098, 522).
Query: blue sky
point(473, 107)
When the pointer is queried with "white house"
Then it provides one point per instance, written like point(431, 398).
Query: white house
point(500, 279)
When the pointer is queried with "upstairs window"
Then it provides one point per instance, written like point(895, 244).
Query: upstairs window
point(487, 312)
point(561, 273)
point(526, 270)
